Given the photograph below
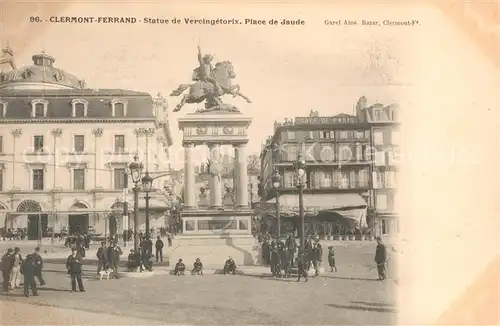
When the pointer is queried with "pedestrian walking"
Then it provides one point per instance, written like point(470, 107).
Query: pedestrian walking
point(159, 249)
point(6, 268)
point(74, 267)
point(169, 240)
point(15, 272)
point(101, 257)
point(38, 263)
point(331, 258)
point(302, 265)
point(381, 259)
point(318, 258)
point(28, 269)
point(114, 253)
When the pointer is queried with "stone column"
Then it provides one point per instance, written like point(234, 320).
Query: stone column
point(215, 173)
point(241, 175)
point(189, 177)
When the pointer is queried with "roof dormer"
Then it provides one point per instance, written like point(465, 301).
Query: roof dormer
point(118, 108)
point(39, 108)
point(79, 108)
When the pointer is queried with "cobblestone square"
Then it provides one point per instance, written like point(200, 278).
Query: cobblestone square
point(352, 296)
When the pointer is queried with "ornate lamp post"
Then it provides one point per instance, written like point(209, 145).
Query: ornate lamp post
point(135, 168)
point(300, 172)
point(147, 184)
point(276, 179)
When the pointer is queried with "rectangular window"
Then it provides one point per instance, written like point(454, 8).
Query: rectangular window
point(1, 179)
point(359, 135)
point(78, 179)
point(38, 143)
point(353, 179)
point(382, 201)
point(289, 179)
point(344, 134)
point(378, 138)
point(390, 179)
point(311, 134)
point(363, 178)
point(380, 158)
point(337, 179)
point(344, 182)
point(119, 110)
point(327, 181)
point(2, 110)
point(39, 110)
point(395, 138)
point(359, 152)
point(1, 144)
point(326, 154)
point(291, 153)
point(119, 178)
point(318, 178)
point(119, 143)
point(38, 179)
point(378, 180)
point(79, 143)
point(290, 135)
point(325, 134)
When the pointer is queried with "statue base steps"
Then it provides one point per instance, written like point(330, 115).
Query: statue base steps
point(213, 250)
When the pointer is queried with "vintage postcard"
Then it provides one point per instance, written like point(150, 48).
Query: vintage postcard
point(249, 163)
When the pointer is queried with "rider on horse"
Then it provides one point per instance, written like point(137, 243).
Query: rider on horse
point(204, 72)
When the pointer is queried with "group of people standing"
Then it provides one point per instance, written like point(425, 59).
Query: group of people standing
point(14, 267)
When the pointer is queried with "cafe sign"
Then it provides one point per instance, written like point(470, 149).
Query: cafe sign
point(325, 120)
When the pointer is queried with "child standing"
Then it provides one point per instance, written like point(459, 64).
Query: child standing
point(331, 258)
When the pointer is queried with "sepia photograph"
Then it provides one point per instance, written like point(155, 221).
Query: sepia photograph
point(240, 163)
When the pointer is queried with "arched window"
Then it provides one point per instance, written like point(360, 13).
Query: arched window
point(119, 108)
point(3, 109)
point(39, 108)
point(79, 108)
point(29, 206)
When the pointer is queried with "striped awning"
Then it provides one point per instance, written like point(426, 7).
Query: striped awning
point(351, 206)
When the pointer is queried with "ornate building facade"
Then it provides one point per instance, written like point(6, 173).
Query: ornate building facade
point(65, 148)
point(352, 163)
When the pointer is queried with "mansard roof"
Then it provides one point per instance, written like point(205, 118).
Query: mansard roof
point(19, 103)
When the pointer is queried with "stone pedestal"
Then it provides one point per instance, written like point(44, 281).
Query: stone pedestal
point(212, 234)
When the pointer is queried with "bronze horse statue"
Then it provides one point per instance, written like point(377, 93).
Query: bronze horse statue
point(222, 73)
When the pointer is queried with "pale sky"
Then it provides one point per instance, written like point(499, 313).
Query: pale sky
point(444, 83)
point(285, 71)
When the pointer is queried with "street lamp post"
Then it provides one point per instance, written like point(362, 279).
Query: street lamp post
point(276, 179)
point(300, 171)
point(135, 168)
point(147, 184)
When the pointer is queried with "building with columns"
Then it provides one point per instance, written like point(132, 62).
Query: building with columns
point(64, 150)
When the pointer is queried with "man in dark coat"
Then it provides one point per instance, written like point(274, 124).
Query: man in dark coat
point(302, 265)
point(197, 267)
point(381, 258)
point(38, 263)
point(229, 266)
point(159, 249)
point(74, 267)
point(114, 253)
point(29, 271)
point(6, 268)
point(318, 257)
point(291, 246)
point(179, 268)
point(148, 246)
point(101, 257)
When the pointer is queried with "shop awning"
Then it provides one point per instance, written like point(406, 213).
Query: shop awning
point(315, 203)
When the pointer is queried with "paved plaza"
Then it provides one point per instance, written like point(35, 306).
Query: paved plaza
point(350, 296)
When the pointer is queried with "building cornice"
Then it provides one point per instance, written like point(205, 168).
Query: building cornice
point(76, 120)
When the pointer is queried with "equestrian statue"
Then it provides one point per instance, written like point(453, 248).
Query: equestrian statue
point(210, 84)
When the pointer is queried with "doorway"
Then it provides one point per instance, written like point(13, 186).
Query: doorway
point(33, 227)
point(78, 223)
